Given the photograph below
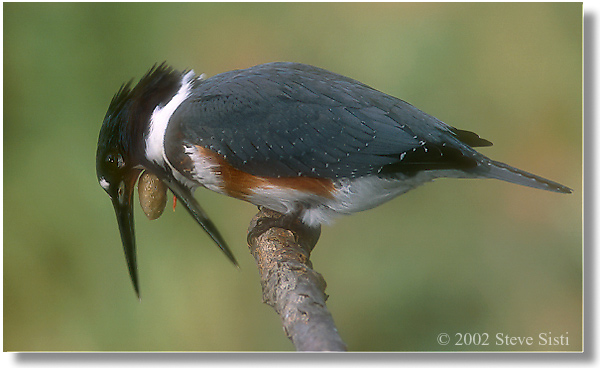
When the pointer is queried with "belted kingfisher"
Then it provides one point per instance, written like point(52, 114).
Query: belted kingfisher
point(294, 138)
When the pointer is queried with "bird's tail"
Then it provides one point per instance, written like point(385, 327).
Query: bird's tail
point(502, 171)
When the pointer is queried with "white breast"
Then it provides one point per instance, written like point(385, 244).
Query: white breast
point(349, 196)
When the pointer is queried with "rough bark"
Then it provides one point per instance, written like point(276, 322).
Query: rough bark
point(281, 247)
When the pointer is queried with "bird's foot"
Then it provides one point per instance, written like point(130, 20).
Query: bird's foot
point(306, 236)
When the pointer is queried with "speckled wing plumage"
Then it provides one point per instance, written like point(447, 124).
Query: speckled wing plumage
point(287, 120)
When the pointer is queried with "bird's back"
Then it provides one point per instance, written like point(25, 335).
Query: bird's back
point(288, 119)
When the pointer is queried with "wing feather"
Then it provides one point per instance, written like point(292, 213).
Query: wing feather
point(286, 120)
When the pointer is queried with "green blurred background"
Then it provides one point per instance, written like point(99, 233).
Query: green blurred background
point(455, 256)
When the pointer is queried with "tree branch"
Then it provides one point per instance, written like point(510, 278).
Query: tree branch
point(281, 247)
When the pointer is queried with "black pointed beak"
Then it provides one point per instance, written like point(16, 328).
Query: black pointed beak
point(123, 204)
point(184, 195)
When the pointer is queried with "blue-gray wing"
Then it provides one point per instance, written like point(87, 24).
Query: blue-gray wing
point(287, 119)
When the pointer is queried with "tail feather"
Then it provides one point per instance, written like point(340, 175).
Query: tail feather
point(502, 171)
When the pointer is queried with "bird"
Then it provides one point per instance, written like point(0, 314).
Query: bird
point(297, 139)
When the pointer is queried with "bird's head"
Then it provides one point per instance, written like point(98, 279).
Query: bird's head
point(118, 166)
point(123, 155)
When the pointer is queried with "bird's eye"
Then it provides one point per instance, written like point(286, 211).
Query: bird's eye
point(115, 160)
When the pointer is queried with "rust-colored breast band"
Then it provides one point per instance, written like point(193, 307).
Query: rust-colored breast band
point(240, 184)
